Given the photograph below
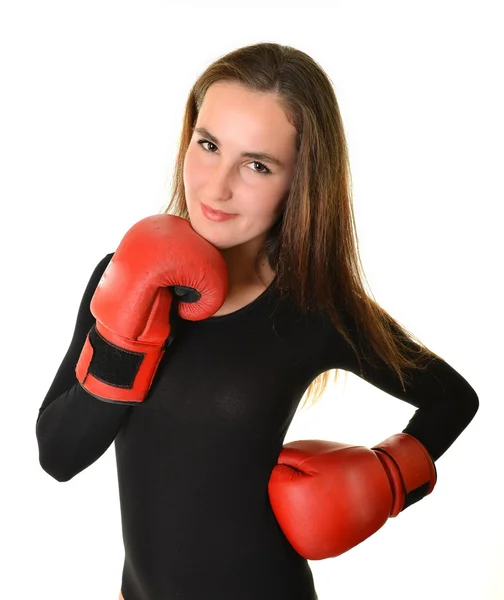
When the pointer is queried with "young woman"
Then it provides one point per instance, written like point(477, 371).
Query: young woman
point(196, 340)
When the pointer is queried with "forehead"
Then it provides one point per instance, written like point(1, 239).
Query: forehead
point(228, 108)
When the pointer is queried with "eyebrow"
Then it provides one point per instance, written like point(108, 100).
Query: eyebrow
point(255, 155)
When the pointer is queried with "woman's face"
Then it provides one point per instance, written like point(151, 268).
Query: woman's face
point(217, 174)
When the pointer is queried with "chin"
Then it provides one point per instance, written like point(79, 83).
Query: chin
point(204, 233)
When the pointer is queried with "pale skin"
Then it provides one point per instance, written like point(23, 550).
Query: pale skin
point(219, 176)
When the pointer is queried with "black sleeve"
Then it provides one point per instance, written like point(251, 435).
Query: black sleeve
point(445, 401)
point(73, 427)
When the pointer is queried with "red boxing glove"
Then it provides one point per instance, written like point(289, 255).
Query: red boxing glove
point(328, 496)
point(133, 300)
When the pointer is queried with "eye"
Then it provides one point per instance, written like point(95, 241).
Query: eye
point(266, 172)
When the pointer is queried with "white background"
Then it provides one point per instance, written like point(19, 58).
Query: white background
point(92, 98)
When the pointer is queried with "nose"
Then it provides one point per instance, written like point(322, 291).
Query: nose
point(219, 183)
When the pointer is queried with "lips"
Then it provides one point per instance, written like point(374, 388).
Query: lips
point(218, 217)
point(218, 212)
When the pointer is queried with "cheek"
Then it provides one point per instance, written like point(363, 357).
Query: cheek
point(193, 172)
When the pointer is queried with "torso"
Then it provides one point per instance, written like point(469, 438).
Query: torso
point(238, 297)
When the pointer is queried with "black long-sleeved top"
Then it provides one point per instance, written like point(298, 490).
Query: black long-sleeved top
point(194, 459)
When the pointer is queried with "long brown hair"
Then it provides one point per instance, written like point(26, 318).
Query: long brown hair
point(313, 247)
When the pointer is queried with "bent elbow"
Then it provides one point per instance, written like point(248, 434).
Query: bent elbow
point(472, 406)
point(55, 468)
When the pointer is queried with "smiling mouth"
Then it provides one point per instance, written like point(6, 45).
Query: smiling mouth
point(218, 212)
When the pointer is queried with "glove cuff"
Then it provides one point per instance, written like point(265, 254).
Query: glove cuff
point(410, 468)
point(119, 373)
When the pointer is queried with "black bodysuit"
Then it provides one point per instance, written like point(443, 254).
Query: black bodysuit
point(194, 459)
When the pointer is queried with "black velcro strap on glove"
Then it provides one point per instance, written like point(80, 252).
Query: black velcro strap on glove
point(111, 364)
